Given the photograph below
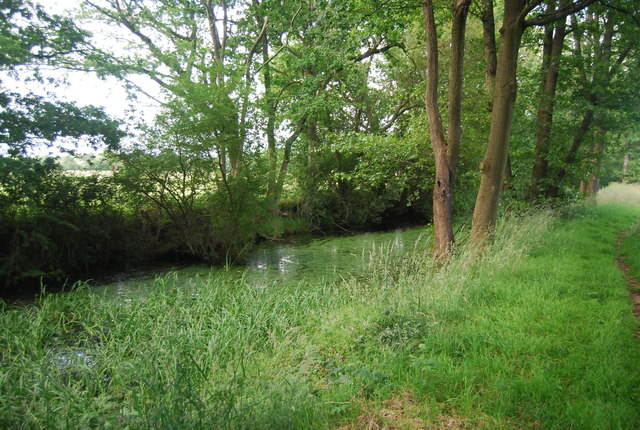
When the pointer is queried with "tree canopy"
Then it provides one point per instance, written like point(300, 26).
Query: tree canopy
point(281, 116)
point(30, 38)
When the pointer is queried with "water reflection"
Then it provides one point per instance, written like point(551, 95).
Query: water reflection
point(319, 260)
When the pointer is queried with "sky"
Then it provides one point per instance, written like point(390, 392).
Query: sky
point(86, 88)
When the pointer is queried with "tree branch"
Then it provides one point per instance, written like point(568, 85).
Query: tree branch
point(562, 12)
point(403, 106)
point(121, 19)
point(375, 50)
point(634, 15)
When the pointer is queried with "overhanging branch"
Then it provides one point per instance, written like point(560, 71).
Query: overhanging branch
point(563, 12)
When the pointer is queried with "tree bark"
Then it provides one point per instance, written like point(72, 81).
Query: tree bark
point(446, 149)
point(553, 44)
point(491, 59)
point(270, 111)
point(492, 168)
point(313, 171)
point(591, 186)
point(489, 44)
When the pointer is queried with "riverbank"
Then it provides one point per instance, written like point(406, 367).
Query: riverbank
point(538, 332)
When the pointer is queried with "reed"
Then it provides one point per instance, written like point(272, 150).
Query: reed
point(535, 332)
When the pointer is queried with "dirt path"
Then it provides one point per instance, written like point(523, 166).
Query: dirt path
point(632, 282)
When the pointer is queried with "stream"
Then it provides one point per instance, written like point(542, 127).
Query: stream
point(317, 260)
point(271, 264)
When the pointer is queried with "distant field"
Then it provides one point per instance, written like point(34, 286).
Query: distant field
point(620, 193)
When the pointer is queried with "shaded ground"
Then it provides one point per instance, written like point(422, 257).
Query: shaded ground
point(632, 282)
point(401, 413)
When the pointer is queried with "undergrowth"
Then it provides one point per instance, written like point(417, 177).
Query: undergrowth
point(536, 332)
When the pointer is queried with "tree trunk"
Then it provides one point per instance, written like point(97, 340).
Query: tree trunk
point(492, 168)
point(311, 186)
point(456, 78)
point(578, 138)
point(491, 58)
point(445, 148)
point(286, 158)
point(625, 167)
point(553, 44)
point(270, 129)
point(591, 186)
point(489, 44)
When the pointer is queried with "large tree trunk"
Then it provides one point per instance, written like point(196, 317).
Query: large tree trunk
point(491, 59)
point(492, 168)
point(493, 165)
point(553, 44)
point(446, 149)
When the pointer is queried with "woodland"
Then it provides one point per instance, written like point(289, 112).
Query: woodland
point(279, 117)
point(487, 150)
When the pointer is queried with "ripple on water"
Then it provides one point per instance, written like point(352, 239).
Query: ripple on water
point(320, 260)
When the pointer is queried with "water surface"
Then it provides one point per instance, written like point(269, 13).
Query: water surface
point(318, 260)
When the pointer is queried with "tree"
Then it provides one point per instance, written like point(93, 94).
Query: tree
point(604, 42)
point(553, 45)
point(30, 38)
point(323, 51)
point(194, 51)
point(492, 169)
point(49, 223)
point(446, 146)
point(207, 63)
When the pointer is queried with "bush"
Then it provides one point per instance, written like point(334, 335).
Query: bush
point(55, 226)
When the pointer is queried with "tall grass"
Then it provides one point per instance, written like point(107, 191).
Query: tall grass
point(617, 193)
point(630, 250)
point(537, 332)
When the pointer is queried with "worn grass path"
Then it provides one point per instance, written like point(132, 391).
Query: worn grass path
point(632, 282)
point(547, 340)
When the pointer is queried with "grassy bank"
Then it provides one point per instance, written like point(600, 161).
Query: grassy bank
point(537, 333)
point(630, 250)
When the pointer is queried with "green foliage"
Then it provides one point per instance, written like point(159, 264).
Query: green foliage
point(207, 212)
point(31, 37)
point(488, 341)
point(331, 91)
point(597, 70)
point(31, 120)
point(54, 226)
point(371, 178)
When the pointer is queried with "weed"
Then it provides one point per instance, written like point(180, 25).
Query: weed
point(535, 332)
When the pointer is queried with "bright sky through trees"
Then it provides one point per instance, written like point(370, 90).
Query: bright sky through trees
point(85, 88)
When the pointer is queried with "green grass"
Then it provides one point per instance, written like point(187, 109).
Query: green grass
point(630, 250)
point(535, 333)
